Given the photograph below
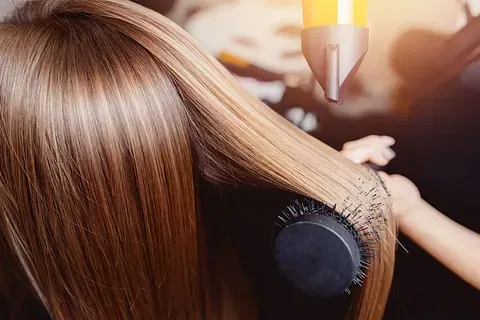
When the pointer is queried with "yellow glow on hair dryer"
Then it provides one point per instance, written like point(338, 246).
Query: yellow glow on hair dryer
point(334, 42)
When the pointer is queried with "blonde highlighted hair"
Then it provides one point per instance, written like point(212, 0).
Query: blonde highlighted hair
point(109, 113)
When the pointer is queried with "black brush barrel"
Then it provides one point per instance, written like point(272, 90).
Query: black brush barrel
point(318, 255)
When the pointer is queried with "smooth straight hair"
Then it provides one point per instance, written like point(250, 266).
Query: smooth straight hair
point(109, 116)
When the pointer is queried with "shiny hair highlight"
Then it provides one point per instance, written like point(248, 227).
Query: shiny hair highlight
point(109, 114)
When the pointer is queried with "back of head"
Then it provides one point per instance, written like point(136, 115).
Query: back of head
point(109, 113)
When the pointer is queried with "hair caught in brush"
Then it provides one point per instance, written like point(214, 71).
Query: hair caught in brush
point(108, 113)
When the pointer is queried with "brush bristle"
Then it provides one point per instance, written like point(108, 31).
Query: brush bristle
point(365, 237)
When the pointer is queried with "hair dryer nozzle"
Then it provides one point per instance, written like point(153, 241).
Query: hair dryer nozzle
point(334, 54)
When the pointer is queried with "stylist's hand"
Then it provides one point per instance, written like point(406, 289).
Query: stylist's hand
point(374, 149)
point(404, 194)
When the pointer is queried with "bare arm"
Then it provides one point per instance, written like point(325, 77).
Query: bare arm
point(455, 246)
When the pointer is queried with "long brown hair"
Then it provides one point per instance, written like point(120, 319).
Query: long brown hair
point(108, 113)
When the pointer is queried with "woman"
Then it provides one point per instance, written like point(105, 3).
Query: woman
point(112, 123)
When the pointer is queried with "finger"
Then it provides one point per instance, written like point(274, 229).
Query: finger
point(379, 159)
point(370, 142)
point(358, 155)
point(371, 148)
point(382, 157)
point(359, 142)
point(379, 143)
point(388, 153)
point(389, 141)
point(378, 140)
point(351, 155)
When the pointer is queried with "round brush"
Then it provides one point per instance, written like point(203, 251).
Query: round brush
point(319, 251)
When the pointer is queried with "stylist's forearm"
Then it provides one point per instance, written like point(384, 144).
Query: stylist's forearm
point(453, 245)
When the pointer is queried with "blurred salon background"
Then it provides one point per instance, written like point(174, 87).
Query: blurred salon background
point(419, 82)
